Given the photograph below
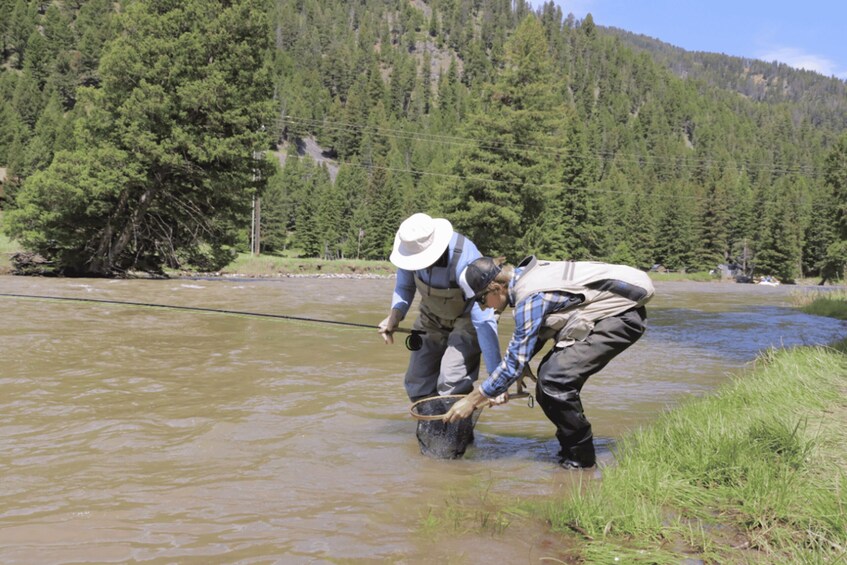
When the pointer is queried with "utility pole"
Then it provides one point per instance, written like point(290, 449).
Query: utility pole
point(256, 227)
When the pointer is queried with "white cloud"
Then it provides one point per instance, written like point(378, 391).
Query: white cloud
point(802, 60)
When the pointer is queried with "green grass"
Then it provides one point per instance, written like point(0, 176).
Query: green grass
point(753, 473)
point(823, 302)
point(7, 247)
point(270, 265)
point(475, 510)
point(696, 277)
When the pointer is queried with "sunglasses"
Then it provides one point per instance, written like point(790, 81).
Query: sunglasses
point(481, 298)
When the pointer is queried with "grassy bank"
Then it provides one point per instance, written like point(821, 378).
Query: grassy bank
point(271, 266)
point(753, 473)
point(676, 277)
point(7, 247)
point(823, 302)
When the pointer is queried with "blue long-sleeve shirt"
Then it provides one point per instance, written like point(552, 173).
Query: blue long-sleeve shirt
point(529, 315)
point(483, 320)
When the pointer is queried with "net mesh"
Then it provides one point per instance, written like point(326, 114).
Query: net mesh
point(441, 440)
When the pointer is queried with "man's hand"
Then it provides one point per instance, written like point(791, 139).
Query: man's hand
point(389, 324)
point(465, 407)
point(502, 399)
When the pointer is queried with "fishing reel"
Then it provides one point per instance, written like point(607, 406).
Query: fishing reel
point(414, 341)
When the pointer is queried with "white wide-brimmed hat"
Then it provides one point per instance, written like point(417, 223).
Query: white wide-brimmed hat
point(420, 241)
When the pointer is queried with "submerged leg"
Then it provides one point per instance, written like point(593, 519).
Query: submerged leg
point(564, 371)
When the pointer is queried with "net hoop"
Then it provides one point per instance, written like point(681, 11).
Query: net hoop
point(429, 418)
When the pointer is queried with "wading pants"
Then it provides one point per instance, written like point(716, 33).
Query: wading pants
point(447, 362)
point(564, 370)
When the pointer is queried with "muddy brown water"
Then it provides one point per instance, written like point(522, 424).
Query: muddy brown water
point(131, 434)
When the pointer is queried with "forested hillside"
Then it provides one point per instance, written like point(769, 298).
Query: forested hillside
point(137, 134)
point(818, 99)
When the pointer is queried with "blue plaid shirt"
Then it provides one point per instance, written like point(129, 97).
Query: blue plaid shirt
point(529, 314)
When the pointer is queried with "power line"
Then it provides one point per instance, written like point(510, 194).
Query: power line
point(369, 166)
point(393, 133)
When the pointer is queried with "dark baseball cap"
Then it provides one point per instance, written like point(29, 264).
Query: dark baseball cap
point(476, 277)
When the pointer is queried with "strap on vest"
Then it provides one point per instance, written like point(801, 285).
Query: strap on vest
point(457, 252)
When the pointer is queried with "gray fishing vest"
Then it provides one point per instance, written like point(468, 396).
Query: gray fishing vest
point(607, 290)
point(443, 297)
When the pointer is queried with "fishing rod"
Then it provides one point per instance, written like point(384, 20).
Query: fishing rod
point(414, 341)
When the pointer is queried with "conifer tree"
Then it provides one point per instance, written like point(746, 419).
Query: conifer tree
point(834, 263)
point(714, 239)
point(819, 235)
point(424, 86)
point(19, 28)
point(275, 211)
point(166, 154)
point(508, 176)
point(383, 214)
point(676, 237)
point(741, 220)
point(58, 30)
point(94, 25)
point(39, 59)
point(307, 231)
point(48, 131)
point(6, 8)
point(293, 187)
point(8, 121)
point(351, 182)
point(330, 216)
point(778, 243)
point(354, 118)
point(402, 183)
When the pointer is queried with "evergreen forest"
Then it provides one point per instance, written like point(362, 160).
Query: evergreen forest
point(144, 135)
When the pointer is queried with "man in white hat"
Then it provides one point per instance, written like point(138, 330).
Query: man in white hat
point(429, 257)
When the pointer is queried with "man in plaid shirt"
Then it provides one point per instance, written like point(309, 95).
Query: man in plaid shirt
point(592, 310)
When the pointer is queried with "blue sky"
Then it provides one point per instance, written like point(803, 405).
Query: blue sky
point(811, 35)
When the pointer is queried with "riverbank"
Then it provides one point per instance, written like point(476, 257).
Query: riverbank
point(753, 473)
point(246, 265)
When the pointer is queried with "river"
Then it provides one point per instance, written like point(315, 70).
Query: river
point(149, 435)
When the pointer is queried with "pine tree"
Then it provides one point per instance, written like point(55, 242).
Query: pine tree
point(6, 8)
point(293, 188)
point(275, 211)
point(330, 217)
point(507, 178)
point(715, 237)
point(94, 25)
point(166, 158)
point(383, 215)
point(8, 121)
point(834, 264)
point(351, 182)
point(676, 237)
point(307, 232)
point(39, 59)
point(48, 131)
point(778, 244)
point(20, 26)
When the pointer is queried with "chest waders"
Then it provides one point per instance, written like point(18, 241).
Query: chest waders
point(608, 319)
point(447, 362)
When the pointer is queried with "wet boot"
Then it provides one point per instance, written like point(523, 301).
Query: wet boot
point(578, 457)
